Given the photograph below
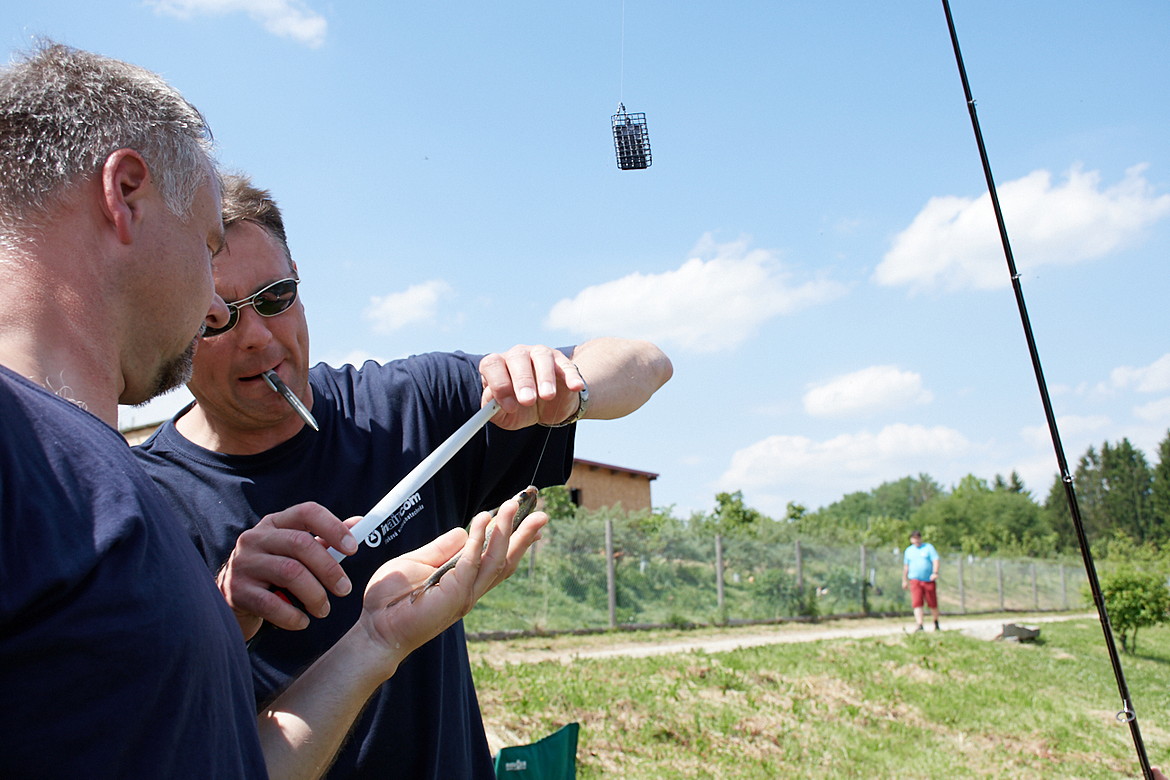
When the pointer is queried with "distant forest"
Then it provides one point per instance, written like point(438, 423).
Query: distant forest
point(1123, 500)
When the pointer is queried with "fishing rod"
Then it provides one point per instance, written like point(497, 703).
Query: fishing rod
point(1127, 713)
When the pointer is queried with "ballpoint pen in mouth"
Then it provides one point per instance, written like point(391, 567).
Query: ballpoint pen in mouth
point(278, 386)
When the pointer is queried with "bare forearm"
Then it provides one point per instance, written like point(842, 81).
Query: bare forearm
point(622, 374)
point(305, 727)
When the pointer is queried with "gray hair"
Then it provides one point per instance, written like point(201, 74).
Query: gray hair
point(63, 111)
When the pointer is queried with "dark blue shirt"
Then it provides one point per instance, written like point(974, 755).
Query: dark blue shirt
point(118, 655)
point(377, 423)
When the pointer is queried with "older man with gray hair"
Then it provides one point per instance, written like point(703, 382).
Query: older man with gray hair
point(118, 655)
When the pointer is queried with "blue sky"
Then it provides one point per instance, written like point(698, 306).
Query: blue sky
point(812, 245)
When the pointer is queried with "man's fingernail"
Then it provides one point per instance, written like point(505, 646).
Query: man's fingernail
point(344, 586)
point(525, 394)
point(349, 545)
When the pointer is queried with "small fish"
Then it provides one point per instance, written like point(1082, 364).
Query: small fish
point(527, 500)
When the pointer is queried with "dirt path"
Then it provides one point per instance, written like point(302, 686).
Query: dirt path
point(567, 649)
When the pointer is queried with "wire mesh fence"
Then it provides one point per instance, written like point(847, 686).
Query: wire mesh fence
point(595, 575)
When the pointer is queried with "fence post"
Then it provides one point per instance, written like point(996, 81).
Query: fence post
point(610, 583)
point(962, 588)
point(1063, 587)
point(799, 568)
point(1035, 590)
point(861, 589)
point(719, 574)
point(999, 578)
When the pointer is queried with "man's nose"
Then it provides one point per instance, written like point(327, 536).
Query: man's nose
point(217, 314)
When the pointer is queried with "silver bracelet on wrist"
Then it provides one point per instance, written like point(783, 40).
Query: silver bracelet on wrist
point(582, 405)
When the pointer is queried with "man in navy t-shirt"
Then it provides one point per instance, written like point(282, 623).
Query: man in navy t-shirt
point(117, 659)
point(240, 451)
point(118, 656)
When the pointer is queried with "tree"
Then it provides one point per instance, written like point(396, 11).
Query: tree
point(1134, 600)
point(900, 499)
point(841, 522)
point(1127, 481)
point(1011, 485)
point(733, 518)
point(852, 519)
point(1059, 516)
point(978, 519)
point(558, 504)
point(924, 489)
point(1089, 486)
point(886, 531)
point(1160, 493)
point(1115, 490)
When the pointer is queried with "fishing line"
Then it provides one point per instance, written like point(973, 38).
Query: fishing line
point(631, 140)
point(1127, 712)
point(540, 458)
point(622, 69)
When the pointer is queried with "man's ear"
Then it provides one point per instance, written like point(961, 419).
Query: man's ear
point(125, 180)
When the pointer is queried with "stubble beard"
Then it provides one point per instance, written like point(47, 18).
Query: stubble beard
point(175, 372)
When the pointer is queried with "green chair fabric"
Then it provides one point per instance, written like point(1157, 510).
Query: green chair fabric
point(552, 758)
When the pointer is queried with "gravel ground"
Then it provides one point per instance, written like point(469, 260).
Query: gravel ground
point(566, 649)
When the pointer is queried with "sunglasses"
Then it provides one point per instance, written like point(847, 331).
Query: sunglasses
point(267, 301)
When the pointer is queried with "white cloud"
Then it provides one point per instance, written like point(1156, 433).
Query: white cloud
point(1073, 426)
point(1154, 378)
point(1157, 412)
point(1038, 472)
point(782, 468)
point(284, 18)
point(877, 388)
point(953, 243)
point(418, 303)
point(1154, 412)
point(705, 305)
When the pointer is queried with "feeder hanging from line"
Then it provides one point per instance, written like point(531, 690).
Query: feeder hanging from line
point(631, 140)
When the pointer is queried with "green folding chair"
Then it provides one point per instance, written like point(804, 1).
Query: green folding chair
point(552, 758)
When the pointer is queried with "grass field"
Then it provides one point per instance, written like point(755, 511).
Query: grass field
point(931, 705)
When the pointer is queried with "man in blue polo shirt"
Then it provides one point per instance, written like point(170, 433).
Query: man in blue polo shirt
point(919, 576)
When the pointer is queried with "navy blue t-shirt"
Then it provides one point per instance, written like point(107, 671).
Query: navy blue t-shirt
point(377, 423)
point(118, 655)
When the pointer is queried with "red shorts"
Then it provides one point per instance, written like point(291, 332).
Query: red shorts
point(920, 590)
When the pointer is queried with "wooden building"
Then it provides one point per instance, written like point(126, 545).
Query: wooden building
point(139, 433)
point(597, 485)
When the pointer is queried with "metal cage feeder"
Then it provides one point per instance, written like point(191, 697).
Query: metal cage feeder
point(631, 140)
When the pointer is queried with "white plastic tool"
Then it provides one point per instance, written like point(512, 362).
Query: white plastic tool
point(419, 475)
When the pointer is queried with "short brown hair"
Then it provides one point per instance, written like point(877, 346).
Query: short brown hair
point(243, 202)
